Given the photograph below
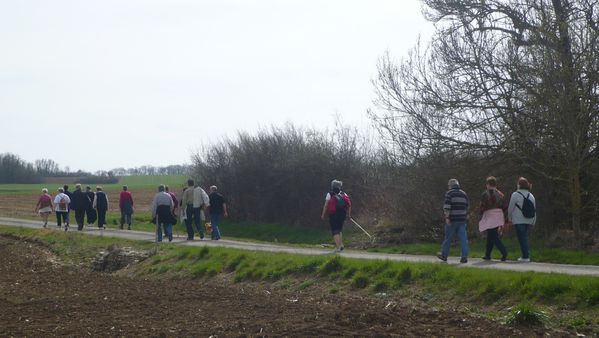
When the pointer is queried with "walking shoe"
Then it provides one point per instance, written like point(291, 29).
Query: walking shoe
point(66, 227)
point(486, 258)
point(524, 260)
point(464, 260)
point(441, 257)
point(504, 258)
point(129, 228)
point(341, 248)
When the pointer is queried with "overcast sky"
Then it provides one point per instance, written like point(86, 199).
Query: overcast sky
point(96, 85)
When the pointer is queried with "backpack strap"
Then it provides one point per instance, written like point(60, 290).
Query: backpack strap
point(525, 197)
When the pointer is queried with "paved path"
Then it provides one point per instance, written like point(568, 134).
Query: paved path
point(589, 270)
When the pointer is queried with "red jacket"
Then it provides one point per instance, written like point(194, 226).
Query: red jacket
point(124, 198)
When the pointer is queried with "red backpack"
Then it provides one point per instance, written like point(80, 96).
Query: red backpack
point(337, 202)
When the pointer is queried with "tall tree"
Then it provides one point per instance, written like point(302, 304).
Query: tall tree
point(512, 77)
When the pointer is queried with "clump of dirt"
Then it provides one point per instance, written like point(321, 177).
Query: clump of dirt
point(116, 258)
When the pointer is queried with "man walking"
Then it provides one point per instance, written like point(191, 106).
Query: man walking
point(126, 206)
point(218, 208)
point(187, 204)
point(455, 209)
point(79, 203)
point(162, 211)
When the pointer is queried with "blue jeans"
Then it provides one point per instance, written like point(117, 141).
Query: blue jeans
point(193, 216)
point(168, 229)
point(215, 221)
point(450, 230)
point(522, 233)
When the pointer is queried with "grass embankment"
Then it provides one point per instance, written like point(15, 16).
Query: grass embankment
point(539, 251)
point(570, 301)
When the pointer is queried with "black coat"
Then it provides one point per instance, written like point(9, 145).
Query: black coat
point(101, 201)
point(79, 200)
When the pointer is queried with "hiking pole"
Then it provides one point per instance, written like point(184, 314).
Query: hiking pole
point(358, 225)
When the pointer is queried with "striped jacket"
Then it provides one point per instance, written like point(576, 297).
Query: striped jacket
point(456, 205)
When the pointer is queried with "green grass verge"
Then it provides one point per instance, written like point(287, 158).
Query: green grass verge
point(539, 252)
point(431, 283)
point(232, 230)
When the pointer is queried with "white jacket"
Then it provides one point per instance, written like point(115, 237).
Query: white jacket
point(514, 213)
point(200, 197)
point(57, 200)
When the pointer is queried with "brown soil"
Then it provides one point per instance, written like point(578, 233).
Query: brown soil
point(22, 205)
point(40, 296)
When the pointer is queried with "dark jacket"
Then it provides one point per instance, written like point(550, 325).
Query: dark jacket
point(164, 214)
point(101, 200)
point(79, 200)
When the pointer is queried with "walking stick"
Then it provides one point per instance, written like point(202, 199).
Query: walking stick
point(358, 225)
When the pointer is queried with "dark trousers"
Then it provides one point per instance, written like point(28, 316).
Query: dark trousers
point(494, 240)
point(193, 214)
point(80, 218)
point(101, 217)
point(91, 216)
point(62, 215)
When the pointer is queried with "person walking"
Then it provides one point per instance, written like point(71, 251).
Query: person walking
point(162, 212)
point(493, 217)
point(44, 206)
point(455, 209)
point(175, 201)
point(68, 193)
point(90, 211)
point(126, 207)
point(101, 205)
point(218, 208)
point(79, 203)
point(187, 204)
point(338, 206)
point(61, 206)
point(201, 202)
point(522, 213)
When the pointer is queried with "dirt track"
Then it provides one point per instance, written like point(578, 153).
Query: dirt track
point(41, 296)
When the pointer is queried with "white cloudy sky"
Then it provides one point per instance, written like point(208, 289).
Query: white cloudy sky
point(122, 83)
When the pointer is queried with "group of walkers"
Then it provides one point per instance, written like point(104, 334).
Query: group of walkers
point(496, 215)
point(193, 208)
point(92, 205)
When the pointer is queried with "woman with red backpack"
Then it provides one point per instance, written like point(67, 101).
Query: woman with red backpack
point(338, 205)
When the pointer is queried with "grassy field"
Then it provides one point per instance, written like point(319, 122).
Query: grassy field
point(566, 301)
point(134, 182)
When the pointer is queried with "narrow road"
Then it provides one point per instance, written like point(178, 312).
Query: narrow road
point(588, 270)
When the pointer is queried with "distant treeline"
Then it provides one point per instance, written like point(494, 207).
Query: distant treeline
point(14, 169)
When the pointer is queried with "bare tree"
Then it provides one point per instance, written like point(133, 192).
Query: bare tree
point(512, 77)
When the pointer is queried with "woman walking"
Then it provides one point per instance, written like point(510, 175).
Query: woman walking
point(101, 205)
point(522, 213)
point(493, 212)
point(44, 206)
